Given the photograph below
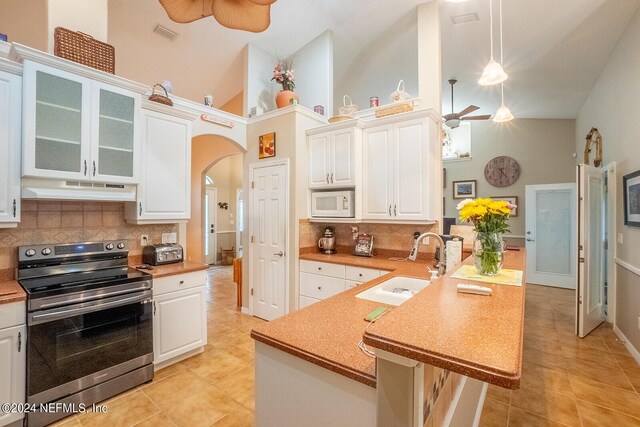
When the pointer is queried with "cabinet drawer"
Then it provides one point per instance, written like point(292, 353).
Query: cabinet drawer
point(178, 282)
point(322, 268)
point(351, 283)
point(360, 274)
point(306, 301)
point(13, 314)
point(320, 287)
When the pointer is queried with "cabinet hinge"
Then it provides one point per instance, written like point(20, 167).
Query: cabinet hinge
point(253, 184)
point(19, 342)
point(251, 291)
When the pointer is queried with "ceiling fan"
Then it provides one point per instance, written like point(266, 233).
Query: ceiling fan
point(453, 120)
point(247, 15)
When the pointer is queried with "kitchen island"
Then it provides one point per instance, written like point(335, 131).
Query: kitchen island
point(309, 360)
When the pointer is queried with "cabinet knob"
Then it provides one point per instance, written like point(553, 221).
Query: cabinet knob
point(319, 268)
point(319, 288)
point(181, 282)
point(360, 274)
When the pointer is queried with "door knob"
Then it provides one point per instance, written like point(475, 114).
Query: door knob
point(280, 254)
point(530, 240)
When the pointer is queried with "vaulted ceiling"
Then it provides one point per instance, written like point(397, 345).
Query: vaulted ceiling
point(554, 50)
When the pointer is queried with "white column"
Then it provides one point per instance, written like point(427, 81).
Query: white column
point(429, 55)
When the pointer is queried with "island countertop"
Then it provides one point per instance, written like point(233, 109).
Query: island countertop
point(477, 336)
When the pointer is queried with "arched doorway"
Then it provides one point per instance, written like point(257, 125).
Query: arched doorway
point(206, 151)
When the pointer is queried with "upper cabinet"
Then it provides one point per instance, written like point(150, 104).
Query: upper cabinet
point(332, 156)
point(401, 167)
point(10, 132)
point(164, 194)
point(78, 129)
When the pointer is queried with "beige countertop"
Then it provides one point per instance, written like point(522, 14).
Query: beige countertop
point(173, 269)
point(11, 291)
point(477, 336)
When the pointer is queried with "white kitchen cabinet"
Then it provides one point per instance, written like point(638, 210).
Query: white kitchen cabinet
point(13, 366)
point(399, 169)
point(10, 145)
point(179, 317)
point(164, 193)
point(332, 157)
point(75, 128)
point(320, 280)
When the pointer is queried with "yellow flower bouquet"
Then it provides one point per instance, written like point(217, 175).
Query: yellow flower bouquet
point(491, 220)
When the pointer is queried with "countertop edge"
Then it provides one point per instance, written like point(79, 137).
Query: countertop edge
point(337, 368)
point(168, 270)
point(17, 293)
point(502, 379)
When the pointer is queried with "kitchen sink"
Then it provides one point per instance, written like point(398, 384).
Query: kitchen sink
point(394, 291)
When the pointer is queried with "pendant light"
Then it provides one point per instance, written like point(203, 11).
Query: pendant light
point(493, 72)
point(504, 113)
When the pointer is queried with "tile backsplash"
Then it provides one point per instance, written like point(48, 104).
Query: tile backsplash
point(67, 222)
point(386, 236)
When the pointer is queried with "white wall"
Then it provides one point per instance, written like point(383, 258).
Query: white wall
point(87, 16)
point(543, 148)
point(375, 70)
point(313, 65)
point(612, 107)
point(259, 90)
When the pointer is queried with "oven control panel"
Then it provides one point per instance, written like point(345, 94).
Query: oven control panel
point(69, 250)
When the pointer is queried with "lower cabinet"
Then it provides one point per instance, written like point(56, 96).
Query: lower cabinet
point(179, 316)
point(13, 364)
point(320, 280)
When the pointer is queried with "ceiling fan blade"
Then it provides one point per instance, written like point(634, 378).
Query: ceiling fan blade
point(485, 117)
point(469, 109)
point(242, 15)
point(184, 11)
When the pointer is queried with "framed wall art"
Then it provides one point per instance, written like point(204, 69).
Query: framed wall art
point(631, 190)
point(464, 189)
point(509, 199)
point(267, 146)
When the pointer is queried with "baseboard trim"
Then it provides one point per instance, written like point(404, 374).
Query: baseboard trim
point(634, 351)
point(245, 310)
point(628, 266)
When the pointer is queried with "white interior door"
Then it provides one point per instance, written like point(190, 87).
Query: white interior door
point(268, 225)
point(591, 241)
point(550, 219)
point(210, 221)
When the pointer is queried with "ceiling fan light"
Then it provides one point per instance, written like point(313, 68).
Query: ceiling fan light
point(452, 123)
point(493, 74)
point(503, 114)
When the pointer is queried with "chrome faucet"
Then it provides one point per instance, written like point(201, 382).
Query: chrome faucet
point(442, 264)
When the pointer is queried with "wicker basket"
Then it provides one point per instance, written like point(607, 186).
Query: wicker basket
point(390, 110)
point(347, 109)
point(157, 97)
point(84, 49)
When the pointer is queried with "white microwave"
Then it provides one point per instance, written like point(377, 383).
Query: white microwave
point(332, 204)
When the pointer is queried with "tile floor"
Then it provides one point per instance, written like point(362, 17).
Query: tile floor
point(565, 381)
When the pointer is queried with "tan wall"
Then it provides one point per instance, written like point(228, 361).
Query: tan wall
point(543, 148)
point(87, 16)
point(25, 22)
point(235, 105)
point(612, 107)
point(45, 222)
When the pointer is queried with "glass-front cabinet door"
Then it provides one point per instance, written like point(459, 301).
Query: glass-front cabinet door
point(115, 137)
point(56, 124)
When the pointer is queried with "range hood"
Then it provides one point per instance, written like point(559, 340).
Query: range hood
point(48, 189)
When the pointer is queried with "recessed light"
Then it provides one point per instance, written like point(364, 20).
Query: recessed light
point(467, 18)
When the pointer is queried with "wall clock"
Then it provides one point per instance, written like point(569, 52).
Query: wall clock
point(502, 171)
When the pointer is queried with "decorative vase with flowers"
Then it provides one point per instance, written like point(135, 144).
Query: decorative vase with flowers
point(491, 220)
point(284, 75)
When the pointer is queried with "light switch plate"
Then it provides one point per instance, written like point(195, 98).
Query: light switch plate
point(144, 240)
point(169, 238)
point(620, 238)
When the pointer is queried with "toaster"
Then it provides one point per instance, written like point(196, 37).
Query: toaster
point(162, 254)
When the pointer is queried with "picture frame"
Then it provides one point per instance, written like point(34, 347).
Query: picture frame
point(631, 191)
point(267, 145)
point(509, 199)
point(464, 189)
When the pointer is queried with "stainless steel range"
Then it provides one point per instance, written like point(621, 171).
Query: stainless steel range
point(89, 320)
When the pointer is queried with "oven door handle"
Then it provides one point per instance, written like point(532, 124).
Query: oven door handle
point(64, 312)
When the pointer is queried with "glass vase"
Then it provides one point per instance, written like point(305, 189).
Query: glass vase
point(488, 251)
